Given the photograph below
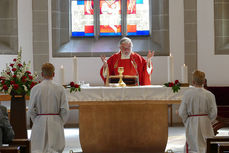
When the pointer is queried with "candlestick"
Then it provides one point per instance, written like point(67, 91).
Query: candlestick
point(62, 75)
point(75, 69)
point(184, 74)
point(170, 68)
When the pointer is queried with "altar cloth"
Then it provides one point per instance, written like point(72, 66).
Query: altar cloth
point(103, 94)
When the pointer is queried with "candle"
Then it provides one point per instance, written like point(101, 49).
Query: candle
point(170, 69)
point(74, 69)
point(184, 74)
point(62, 75)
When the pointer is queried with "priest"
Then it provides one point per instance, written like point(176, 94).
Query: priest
point(133, 63)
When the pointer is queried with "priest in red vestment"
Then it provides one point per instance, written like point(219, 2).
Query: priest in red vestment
point(133, 63)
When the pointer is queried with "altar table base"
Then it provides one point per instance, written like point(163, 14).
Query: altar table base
point(123, 127)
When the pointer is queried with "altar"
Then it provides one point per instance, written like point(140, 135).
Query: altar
point(130, 119)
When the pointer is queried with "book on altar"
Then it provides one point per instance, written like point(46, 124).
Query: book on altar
point(128, 79)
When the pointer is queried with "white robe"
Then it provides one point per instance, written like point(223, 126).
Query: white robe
point(48, 132)
point(198, 128)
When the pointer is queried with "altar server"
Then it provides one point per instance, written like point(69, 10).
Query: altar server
point(197, 110)
point(133, 63)
point(48, 109)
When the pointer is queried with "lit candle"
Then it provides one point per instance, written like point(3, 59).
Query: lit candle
point(62, 75)
point(184, 74)
point(170, 69)
point(74, 69)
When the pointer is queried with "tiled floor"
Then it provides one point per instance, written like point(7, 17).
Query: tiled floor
point(176, 139)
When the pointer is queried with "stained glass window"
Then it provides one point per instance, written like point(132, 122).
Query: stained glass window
point(82, 18)
point(106, 18)
point(110, 17)
point(138, 17)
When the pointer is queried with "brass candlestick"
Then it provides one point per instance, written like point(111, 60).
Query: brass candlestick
point(120, 82)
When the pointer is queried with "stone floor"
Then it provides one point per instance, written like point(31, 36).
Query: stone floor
point(176, 139)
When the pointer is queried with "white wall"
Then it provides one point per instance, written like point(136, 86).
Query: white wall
point(215, 66)
point(176, 31)
point(25, 30)
point(24, 34)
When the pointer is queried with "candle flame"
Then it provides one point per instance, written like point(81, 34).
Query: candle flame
point(62, 66)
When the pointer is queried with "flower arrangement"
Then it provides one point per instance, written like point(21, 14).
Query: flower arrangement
point(74, 87)
point(16, 78)
point(175, 86)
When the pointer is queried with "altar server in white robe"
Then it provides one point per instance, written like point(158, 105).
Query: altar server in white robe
point(197, 110)
point(48, 109)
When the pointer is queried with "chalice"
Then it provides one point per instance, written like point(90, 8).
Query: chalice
point(120, 82)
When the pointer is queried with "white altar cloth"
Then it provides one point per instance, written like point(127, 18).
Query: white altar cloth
point(102, 93)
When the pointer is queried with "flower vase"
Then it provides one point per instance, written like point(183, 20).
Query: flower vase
point(18, 116)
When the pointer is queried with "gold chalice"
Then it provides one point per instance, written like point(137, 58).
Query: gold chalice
point(120, 82)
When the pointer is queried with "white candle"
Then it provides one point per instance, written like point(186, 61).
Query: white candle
point(62, 75)
point(75, 69)
point(170, 69)
point(184, 74)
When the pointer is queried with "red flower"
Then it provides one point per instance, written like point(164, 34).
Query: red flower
point(28, 72)
point(30, 77)
point(32, 84)
point(15, 86)
point(171, 84)
point(16, 77)
point(72, 84)
point(20, 65)
point(23, 78)
point(12, 82)
point(176, 81)
point(2, 78)
point(5, 87)
point(3, 82)
point(76, 86)
point(14, 69)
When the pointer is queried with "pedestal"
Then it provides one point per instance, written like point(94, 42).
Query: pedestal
point(18, 116)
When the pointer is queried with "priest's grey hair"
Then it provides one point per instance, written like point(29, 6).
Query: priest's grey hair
point(125, 40)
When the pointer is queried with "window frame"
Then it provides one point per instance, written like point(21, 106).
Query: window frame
point(95, 47)
point(97, 21)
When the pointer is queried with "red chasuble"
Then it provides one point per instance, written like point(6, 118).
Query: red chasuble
point(135, 66)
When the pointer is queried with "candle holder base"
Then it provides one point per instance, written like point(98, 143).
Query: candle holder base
point(184, 84)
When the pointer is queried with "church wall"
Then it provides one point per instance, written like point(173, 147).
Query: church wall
point(215, 66)
point(24, 34)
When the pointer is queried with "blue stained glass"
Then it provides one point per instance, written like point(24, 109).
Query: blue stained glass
point(78, 34)
point(138, 33)
point(139, 1)
point(80, 2)
point(110, 34)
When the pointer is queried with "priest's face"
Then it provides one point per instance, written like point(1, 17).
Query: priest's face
point(126, 48)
